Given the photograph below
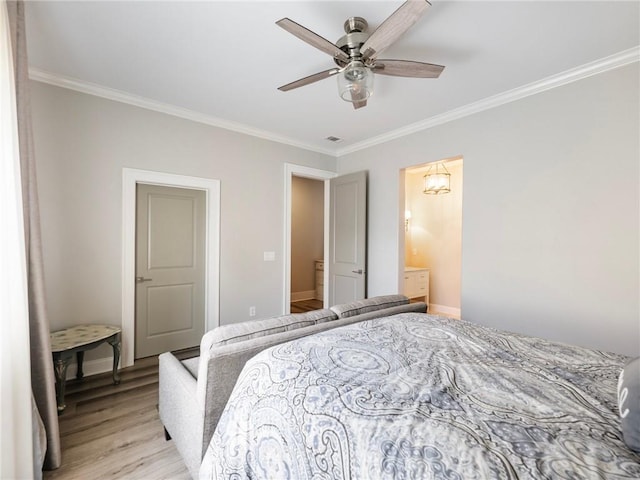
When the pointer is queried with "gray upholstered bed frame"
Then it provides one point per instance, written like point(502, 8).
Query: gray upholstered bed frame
point(194, 392)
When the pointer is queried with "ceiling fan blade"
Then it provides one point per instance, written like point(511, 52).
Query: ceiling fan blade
point(312, 38)
point(407, 68)
point(310, 79)
point(393, 27)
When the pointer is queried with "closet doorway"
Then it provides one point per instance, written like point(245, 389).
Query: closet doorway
point(170, 268)
point(130, 179)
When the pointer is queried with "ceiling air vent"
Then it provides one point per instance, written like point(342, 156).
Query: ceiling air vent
point(334, 139)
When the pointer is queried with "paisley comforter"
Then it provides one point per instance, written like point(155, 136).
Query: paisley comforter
point(420, 396)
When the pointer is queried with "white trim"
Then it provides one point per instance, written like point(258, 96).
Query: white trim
point(291, 169)
point(617, 60)
point(434, 307)
point(149, 104)
point(299, 296)
point(130, 177)
point(611, 62)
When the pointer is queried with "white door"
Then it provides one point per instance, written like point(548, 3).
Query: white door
point(348, 238)
point(170, 268)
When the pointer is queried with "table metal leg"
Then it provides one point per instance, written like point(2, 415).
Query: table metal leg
point(115, 343)
point(61, 364)
point(80, 359)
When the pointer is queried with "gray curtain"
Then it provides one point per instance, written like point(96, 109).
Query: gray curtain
point(42, 378)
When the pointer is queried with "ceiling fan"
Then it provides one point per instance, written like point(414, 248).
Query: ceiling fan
point(356, 53)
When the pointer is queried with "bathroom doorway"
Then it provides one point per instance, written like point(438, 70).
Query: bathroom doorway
point(433, 237)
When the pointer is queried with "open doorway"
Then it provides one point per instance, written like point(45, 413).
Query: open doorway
point(307, 244)
point(433, 238)
point(345, 234)
point(293, 171)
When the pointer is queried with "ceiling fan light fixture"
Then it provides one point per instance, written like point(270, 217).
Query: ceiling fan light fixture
point(355, 82)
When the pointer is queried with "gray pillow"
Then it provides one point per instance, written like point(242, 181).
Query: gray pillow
point(372, 304)
point(629, 403)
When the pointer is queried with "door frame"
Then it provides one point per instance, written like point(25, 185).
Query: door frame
point(130, 178)
point(291, 170)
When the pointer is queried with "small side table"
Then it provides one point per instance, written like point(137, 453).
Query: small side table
point(79, 339)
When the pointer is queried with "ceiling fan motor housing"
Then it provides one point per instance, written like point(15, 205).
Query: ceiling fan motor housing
point(356, 29)
point(355, 24)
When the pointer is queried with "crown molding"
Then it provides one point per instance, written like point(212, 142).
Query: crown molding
point(146, 103)
point(612, 62)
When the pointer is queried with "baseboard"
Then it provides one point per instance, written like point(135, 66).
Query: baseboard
point(453, 311)
point(92, 367)
point(299, 296)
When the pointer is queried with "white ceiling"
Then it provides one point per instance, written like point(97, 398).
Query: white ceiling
point(223, 61)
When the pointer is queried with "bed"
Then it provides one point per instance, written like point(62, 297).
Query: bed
point(421, 396)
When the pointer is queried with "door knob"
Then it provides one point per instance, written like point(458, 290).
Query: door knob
point(359, 271)
point(142, 279)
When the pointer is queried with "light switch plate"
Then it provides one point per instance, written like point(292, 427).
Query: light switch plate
point(269, 256)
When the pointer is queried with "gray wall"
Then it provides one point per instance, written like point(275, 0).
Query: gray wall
point(552, 252)
point(307, 231)
point(83, 142)
point(550, 211)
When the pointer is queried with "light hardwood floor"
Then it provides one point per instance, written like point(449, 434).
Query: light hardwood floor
point(114, 432)
point(305, 305)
